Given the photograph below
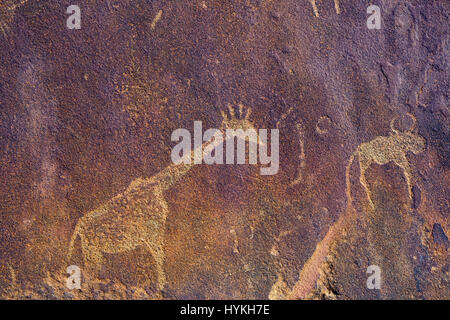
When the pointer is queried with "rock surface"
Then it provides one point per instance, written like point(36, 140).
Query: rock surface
point(86, 118)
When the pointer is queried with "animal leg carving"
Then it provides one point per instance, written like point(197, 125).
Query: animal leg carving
point(93, 259)
point(157, 251)
point(403, 163)
point(362, 178)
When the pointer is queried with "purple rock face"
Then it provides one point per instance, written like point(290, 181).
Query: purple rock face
point(439, 235)
point(87, 179)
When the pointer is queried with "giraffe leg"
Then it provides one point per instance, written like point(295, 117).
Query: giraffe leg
point(160, 257)
point(93, 259)
point(157, 251)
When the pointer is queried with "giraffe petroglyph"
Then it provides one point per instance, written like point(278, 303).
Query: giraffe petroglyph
point(137, 217)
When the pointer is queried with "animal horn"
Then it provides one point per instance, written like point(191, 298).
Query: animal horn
point(393, 125)
point(414, 124)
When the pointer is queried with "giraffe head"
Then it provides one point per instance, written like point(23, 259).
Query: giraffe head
point(240, 123)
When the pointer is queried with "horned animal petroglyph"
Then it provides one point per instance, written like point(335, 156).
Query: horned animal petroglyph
point(385, 149)
point(137, 217)
point(380, 150)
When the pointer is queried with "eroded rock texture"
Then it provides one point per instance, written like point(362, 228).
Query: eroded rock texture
point(86, 119)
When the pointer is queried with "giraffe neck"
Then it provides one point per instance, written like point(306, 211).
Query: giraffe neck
point(167, 177)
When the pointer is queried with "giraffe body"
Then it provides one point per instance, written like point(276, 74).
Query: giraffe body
point(132, 219)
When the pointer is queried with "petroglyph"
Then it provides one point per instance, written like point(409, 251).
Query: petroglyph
point(301, 137)
point(422, 87)
point(380, 150)
point(133, 218)
point(383, 150)
point(322, 125)
point(13, 277)
point(316, 10)
point(242, 121)
point(137, 217)
point(279, 290)
point(302, 156)
point(156, 19)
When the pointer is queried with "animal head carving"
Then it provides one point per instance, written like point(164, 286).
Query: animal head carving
point(410, 139)
point(414, 143)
